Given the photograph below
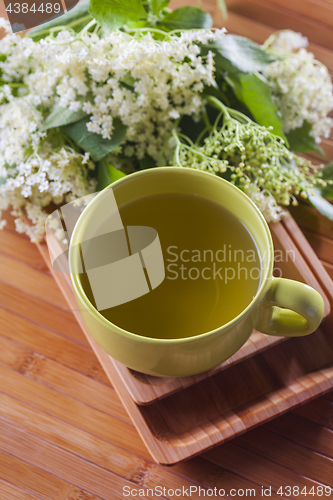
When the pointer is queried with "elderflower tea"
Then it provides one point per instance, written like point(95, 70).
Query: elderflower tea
point(212, 268)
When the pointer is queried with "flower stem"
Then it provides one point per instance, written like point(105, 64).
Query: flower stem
point(59, 28)
point(228, 112)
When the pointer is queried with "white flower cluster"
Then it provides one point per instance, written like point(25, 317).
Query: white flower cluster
point(5, 24)
point(287, 41)
point(265, 202)
point(301, 85)
point(48, 177)
point(148, 84)
point(19, 122)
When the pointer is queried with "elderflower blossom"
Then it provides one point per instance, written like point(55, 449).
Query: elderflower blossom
point(49, 177)
point(255, 160)
point(301, 85)
point(5, 24)
point(19, 122)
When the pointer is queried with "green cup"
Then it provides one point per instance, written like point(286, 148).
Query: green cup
point(281, 307)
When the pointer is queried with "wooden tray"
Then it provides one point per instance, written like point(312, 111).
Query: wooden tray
point(265, 378)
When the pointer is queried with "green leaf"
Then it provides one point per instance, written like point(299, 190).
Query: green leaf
point(158, 5)
point(327, 175)
point(107, 174)
point(252, 91)
point(115, 13)
point(301, 141)
point(327, 171)
point(186, 18)
point(80, 11)
point(147, 162)
point(60, 116)
point(323, 206)
point(2, 181)
point(326, 192)
point(234, 53)
point(94, 143)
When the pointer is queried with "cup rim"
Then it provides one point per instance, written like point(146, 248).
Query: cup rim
point(81, 295)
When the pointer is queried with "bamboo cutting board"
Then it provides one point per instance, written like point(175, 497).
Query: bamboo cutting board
point(183, 417)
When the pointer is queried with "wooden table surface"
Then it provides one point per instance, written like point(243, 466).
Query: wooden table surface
point(64, 434)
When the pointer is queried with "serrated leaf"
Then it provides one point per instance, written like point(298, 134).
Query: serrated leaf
point(115, 13)
point(252, 91)
point(323, 206)
point(107, 174)
point(301, 141)
point(79, 11)
point(94, 143)
point(235, 53)
point(62, 116)
point(186, 18)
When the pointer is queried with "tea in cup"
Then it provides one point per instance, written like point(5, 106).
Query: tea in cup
point(173, 278)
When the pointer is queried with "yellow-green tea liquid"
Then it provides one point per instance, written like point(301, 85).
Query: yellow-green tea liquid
point(212, 268)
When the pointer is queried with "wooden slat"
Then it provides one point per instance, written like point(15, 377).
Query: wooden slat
point(319, 411)
point(273, 447)
point(145, 389)
point(257, 468)
point(279, 18)
point(11, 245)
point(307, 217)
point(10, 492)
point(219, 477)
point(311, 258)
point(314, 9)
point(56, 376)
point(307, 434)
point(21, 474)
point(117, 460)
point(51, 345)
point(31, 281)
point(61, 464)
point(72, 411)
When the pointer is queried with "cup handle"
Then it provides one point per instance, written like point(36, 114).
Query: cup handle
point(290, 309)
